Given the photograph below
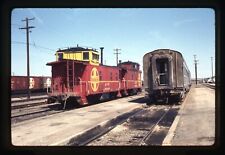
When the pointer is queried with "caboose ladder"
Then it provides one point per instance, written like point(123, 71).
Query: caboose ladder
point(69, 78)
point(70, 75)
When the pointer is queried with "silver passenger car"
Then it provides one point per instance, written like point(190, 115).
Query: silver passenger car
point(166, 75)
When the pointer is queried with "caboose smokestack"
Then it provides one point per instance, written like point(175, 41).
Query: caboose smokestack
point(102, 54)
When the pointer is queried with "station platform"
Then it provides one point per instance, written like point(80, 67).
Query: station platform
point(195, 123)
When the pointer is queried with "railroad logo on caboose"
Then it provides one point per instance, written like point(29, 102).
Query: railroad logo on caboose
point(94, 79)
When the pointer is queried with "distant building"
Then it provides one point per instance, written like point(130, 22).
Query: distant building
point(210, 80)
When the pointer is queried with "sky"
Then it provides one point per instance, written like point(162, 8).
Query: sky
point(135, 31)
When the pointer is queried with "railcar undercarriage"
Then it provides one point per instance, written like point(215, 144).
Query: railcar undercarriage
point(168, 96)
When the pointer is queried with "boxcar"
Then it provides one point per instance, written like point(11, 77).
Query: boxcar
point(166, 75)
point(36, 84)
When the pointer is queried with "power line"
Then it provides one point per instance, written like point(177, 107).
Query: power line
point(16, 25)
point(35, 45)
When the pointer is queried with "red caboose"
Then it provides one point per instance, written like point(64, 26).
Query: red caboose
point(77, 75)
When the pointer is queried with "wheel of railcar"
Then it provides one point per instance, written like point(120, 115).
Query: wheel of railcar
point(113, 95)
point(130, 92)
point(50, 100)
point(94, 98)
point(172, 99)
point(177, 99)
point(123, 93)
point(139, 90)
point(136, 91)
point(152, 99)
point(97, 97)
point(69, 102)
point(133, 92)
point(167, 100)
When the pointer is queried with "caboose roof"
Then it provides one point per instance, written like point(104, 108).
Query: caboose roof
point(128, 62)
point(76, 49)
point(64, 61)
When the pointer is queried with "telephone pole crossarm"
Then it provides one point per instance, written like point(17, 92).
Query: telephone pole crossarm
point(117, 53)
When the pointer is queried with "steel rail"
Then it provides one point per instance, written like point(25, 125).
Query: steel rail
point(142, 141)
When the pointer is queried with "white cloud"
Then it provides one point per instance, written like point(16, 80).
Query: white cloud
point(182, 22)
point(36, 16)
point(158, 37)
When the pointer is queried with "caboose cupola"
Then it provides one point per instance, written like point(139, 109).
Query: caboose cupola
point(88, 55)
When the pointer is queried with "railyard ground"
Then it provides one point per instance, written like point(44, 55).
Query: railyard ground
point(194, 124)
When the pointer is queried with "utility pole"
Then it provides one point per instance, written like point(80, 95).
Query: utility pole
point(212, 66)
point(27, 28)
point(117, 55)
point(195, 62)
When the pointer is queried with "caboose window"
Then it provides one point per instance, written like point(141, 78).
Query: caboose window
point(135, 66)
point(116, 76)
point(95, 56)
point(60, 56)
point(162, 69)
point(100, 75)
point(86, 55)
point(111, 76)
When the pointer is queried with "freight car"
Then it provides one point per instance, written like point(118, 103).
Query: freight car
point(78, 76)
point(166, 75)
point(36, 84)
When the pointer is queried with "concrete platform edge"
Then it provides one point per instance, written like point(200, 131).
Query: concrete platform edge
point(168, 139)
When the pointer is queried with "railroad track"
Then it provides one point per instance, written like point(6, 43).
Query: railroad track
point(30, 103)
point(148, 126)
point(26, 109)
point(31, 111)
point(16, 99)
point(209, 85)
